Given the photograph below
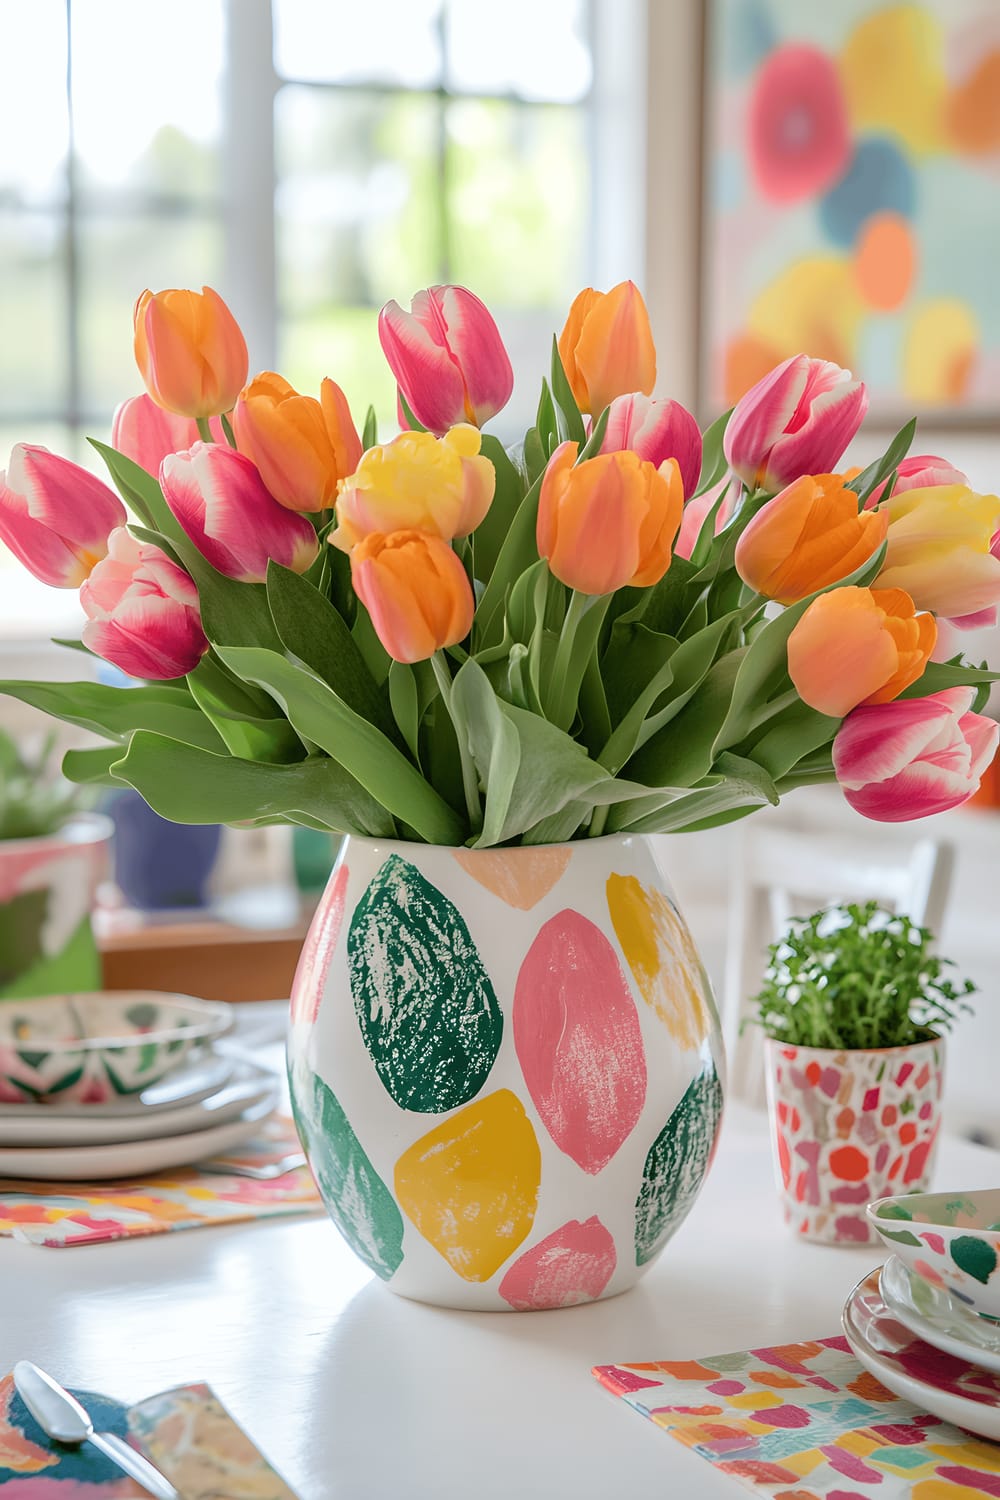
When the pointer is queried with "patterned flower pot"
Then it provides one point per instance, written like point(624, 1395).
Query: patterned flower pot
point(46, 893)
point(849, 1127)
point(504, 1066)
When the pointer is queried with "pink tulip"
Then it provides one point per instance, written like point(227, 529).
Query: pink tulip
point(922, 471)
point(146, 433)
point(142, 611)
point(55, 516)
point(914, 756)
point(696, 514)
point(797, 420)
point(219, 498)
point(447, 356)
point(656, 431)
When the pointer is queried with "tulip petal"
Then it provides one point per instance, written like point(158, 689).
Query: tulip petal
point(472, 336)
point(762, 415)
point(920, 791)
point(150, 638)
point(877, 742)
point(982, 736)
point(422, 364)
point(819, 444)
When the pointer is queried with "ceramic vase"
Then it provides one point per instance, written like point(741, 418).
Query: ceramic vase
point(505, 1067)
point(47, 887)
point(848, 1127)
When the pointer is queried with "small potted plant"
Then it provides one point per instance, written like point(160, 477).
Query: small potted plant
point(854, 1005)
point(51, 854)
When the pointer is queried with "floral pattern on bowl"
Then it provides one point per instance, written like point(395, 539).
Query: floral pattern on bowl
point(94, 1048)
point(950, 1239)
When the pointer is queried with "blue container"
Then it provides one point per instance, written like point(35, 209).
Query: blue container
point(159, 865)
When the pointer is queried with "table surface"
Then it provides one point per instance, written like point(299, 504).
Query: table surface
point(354, 1392)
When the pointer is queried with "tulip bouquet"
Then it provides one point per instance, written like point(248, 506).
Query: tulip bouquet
point(619, 625)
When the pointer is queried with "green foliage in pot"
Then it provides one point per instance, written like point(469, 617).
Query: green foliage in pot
point(856, 977)
point(34, 800)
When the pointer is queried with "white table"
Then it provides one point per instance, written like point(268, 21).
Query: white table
point(356, 1394)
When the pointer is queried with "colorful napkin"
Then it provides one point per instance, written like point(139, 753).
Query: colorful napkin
point(805, 1421)
point(73, 1213)
point(187, 1433)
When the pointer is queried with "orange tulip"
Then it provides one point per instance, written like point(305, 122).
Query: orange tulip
point(302, 447)
point(607, 346)
point(608, 521)
point(856, 646)
point(416, 591)
point(809, 536)
point(190, 351)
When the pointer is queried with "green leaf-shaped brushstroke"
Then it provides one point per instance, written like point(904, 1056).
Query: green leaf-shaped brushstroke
point(424, 1001)
point(677, 1164)
point(356, 1198)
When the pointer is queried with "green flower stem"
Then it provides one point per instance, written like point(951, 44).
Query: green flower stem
point(227, 429)
point(598, 821)
point(204, 431)
point(572, 654)
point(470, 777)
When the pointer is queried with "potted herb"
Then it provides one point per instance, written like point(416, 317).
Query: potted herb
point(51, 853)
point(854, 1005)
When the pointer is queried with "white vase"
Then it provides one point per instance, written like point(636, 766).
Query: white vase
point(505, 1067)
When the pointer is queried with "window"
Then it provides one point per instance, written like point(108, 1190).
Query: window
point(409, 142)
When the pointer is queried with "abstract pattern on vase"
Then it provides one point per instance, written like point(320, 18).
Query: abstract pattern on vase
point(578, 1040)
point(806, 1422)
point(850, 1127)
point(423, 998)
point(359, 1202)
point(520, 876)
point(470, 1185)
point(46, 942)
point(661, 954)
point(677, 1164)
point(592, 1025)
point(319, 948)
point(572, 1264)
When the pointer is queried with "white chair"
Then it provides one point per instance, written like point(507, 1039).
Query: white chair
point(779, 875)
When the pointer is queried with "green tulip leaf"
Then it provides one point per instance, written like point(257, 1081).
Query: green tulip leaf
point(92, 767)
point(312, 629)
point(114, 712)
point(488, 537)
point(869, 479)
point(189, 785)
point(571, 426)
point(713, 459)
point(321, 716)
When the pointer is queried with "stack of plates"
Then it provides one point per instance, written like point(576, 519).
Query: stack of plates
point(80, 1107)
point(913, 1323)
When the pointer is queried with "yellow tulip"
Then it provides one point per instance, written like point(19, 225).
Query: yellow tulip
point(442, 486)
point(939, 549)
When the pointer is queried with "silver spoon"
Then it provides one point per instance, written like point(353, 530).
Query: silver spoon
point(62, 1417)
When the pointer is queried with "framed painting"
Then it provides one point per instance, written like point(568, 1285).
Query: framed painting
point(852, 199)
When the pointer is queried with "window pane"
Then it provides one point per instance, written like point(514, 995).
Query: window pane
point(520, 47)
point(341, 342)
point(388, 41)
point(118, 258)
point(518, 188)
point(33, 114)
point(152, 125)
point(358, 214)
point(32, 313)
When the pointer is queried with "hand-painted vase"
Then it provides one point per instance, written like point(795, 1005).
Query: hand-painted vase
point(848, 1127)
point(47, 888)
point(505, 1067)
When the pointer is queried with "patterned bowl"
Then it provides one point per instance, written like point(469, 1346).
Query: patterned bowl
point(950, 1239)
point(98, 1047)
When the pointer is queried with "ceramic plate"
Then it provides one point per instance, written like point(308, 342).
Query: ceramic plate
point(193, 1080)
point(132, 1158)
point(934, 1315)
point(244, 1086)
point(934, 1381)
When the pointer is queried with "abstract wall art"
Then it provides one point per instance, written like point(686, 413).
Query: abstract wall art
point(852, 197)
